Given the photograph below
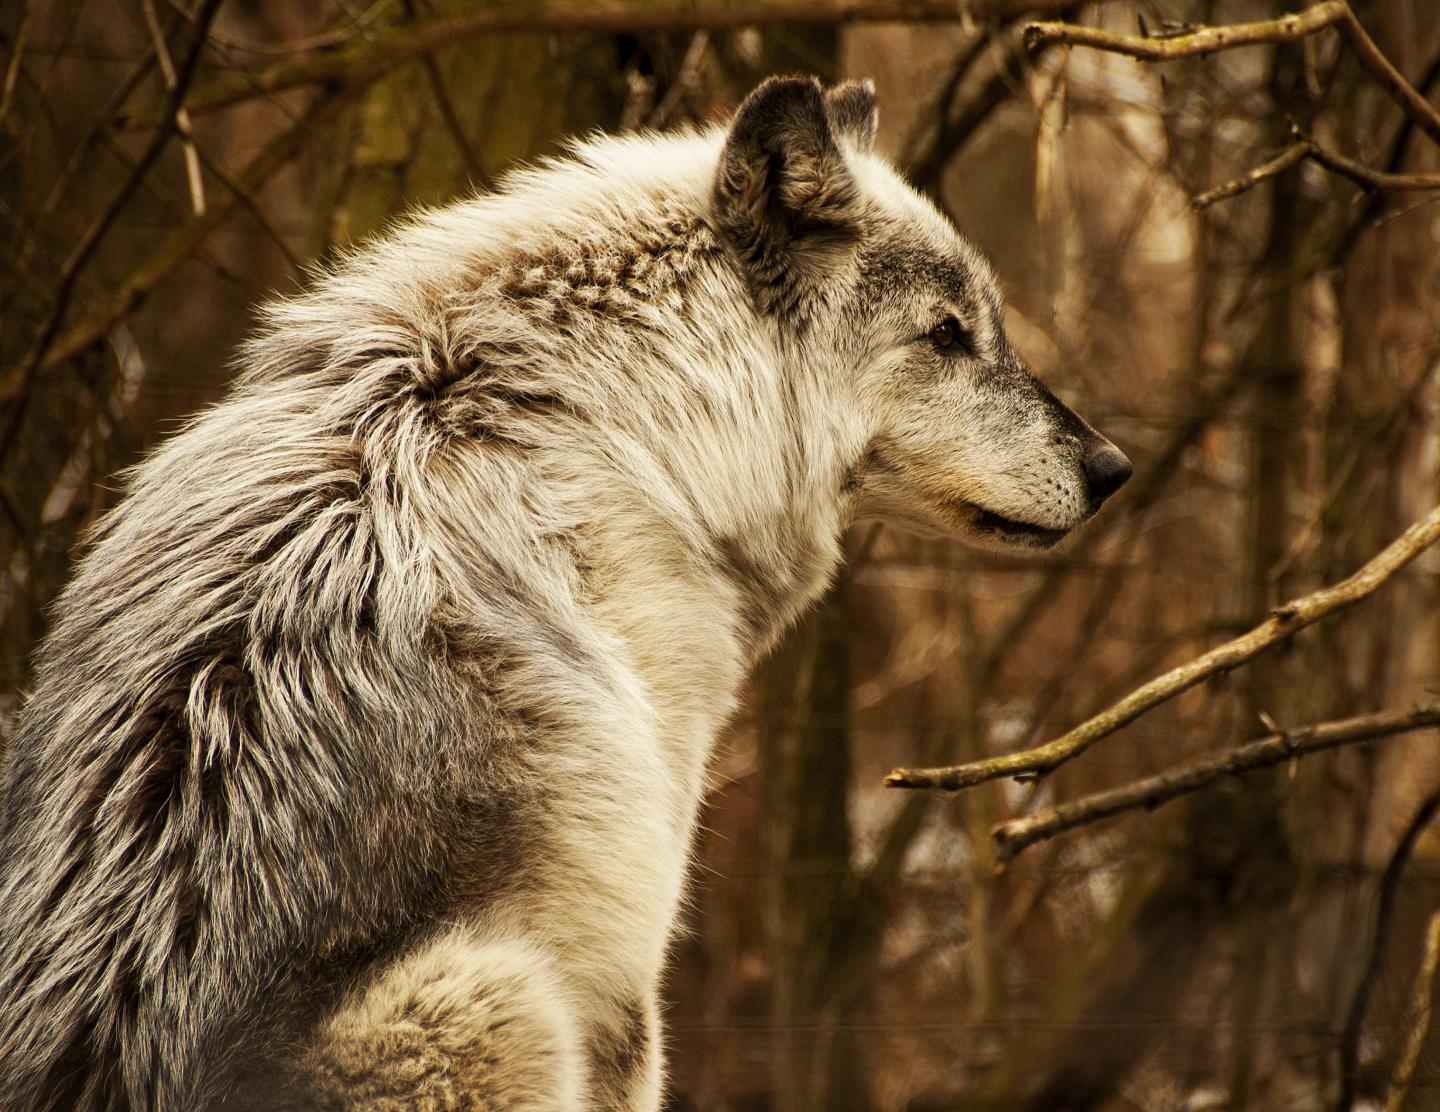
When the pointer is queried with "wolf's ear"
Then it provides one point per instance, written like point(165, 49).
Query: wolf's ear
point(785, 200)
point(852, 111)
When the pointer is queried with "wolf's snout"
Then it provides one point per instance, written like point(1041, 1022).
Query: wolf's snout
point(1106, 470)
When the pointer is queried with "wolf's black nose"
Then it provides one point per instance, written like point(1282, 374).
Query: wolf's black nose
point(1106, 469)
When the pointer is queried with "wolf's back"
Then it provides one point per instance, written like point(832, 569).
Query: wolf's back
point(203, 818)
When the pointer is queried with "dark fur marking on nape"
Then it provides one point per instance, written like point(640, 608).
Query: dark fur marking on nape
point(610, 282)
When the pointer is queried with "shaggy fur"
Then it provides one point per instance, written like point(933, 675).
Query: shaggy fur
point(366, 751)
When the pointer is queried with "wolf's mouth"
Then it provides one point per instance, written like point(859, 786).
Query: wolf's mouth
point(1033, 536)
point(973, 517)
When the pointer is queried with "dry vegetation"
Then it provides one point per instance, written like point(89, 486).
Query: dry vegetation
point(1220, 244)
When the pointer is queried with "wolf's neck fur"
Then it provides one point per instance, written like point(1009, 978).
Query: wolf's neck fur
point(693, 492)
point(597, 384)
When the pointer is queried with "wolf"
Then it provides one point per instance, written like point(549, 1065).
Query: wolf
point(365, 753)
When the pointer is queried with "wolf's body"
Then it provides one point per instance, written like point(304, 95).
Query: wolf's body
point(366, 752)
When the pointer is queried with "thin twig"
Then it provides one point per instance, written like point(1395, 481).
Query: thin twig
point(1015, 835)
point(919, 147)
point(359, 24)
point(1368, 178)
point(685, 77)
point(1283, 623)
point(27, 241)
point(955, 129)
point(253, 207)
point(449, 117)
point(1425, 114)
point(1368, 215)
point(1422, 1004)
point(193, 177)
point(1251, 178)
point(1384, 916)
point(12, 67)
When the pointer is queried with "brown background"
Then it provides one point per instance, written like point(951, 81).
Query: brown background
point(1270, 364)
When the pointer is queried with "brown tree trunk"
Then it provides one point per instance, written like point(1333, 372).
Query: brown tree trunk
point(809, 884)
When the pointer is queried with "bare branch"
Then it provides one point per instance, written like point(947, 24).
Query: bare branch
point(1284, 622)
point(1384, 915)
point(194, 179)
point(934, 142)
point(685, 77)
point(253, 207)
point(366, 61)
point(1015, 835)
point(1425, 114)
point(97, 132)
point(449, 117)
point(1208, 40)
point(1200, 40)
point(356, 23)
point(960, 121)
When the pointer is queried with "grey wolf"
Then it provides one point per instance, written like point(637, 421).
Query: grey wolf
point(365, 753)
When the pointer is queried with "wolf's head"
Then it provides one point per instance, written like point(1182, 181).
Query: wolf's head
point(868, 281)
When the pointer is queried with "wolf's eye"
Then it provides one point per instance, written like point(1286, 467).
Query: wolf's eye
point(949, 335)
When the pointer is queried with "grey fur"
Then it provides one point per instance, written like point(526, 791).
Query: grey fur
point(366, 751)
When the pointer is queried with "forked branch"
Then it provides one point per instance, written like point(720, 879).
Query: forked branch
point(16, 379)
point(1366, 177)
point(1283, 623)
point(1197, 41)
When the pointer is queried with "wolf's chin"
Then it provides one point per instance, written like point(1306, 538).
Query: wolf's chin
point(1020, 533)
point(966, 522)
point(996, 531)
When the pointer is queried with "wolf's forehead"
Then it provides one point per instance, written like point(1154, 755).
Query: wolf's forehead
point(897, 266)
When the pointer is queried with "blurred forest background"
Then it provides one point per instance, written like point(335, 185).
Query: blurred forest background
point(1268, 360)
